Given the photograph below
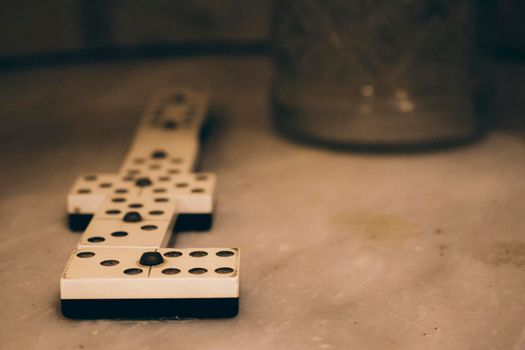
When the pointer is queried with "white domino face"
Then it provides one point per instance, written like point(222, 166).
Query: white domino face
point(110, 233)
point(100, 273)
point(193, 192)
point(148, 207)
point(164, 151)
point(122, 254)
point(90, 190)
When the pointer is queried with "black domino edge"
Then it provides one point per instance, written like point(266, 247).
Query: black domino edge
point(79, 222)
point(185, 222)
point(193, 222)
point(150, 308)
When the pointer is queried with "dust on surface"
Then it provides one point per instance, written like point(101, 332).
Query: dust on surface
point(442, 249)
point(507, 253)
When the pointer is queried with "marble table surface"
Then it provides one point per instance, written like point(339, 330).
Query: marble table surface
point(339, 250)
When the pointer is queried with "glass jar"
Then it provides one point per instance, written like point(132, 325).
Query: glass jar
point(375, 73)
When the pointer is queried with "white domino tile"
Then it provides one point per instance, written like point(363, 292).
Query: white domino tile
point(116, 233)
point(100, 273)
point(134, 212)
point(186, 109)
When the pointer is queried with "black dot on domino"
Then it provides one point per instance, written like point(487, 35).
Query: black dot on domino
point(170, 124)
point(143, 182)
point(198, 254)
point(109, 262)
point(132, 216)
point(225, 253)
point(159, 154)
point(223, 270)
point(85, 254)
point(151, 259)
point(179, 98)
point(119, 234)
point(172, 254)
point(112, 211)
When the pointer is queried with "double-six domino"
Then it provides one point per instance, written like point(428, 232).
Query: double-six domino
point(122, 267)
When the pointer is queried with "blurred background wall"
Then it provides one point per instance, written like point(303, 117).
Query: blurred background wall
point(39, 27)
point(46, 26)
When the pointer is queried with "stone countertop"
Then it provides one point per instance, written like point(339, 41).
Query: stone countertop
point(339, 250)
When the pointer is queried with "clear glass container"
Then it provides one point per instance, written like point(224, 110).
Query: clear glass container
point(377, 73)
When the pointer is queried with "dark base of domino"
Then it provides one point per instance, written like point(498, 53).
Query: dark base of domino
point(150, 308)
point(79, 222)
point(185, 222)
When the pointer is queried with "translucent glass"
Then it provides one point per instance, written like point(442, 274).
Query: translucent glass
point(374, 72)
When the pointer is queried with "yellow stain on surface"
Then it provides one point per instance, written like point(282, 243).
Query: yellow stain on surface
point(375, 226)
